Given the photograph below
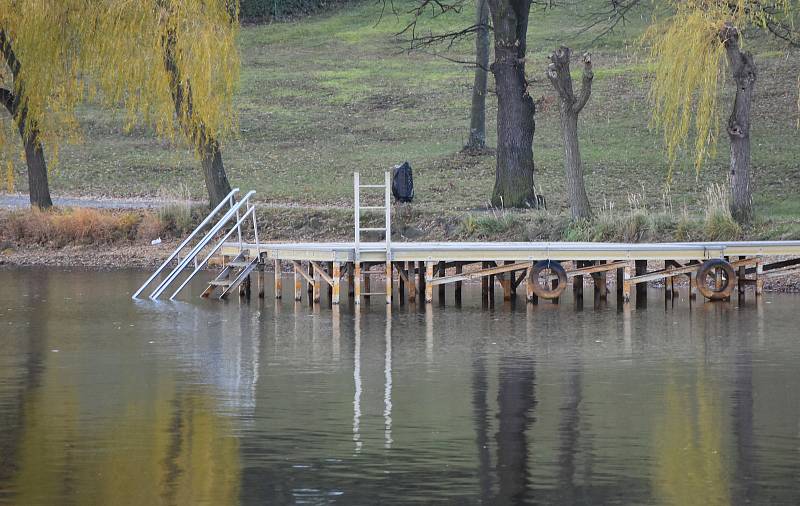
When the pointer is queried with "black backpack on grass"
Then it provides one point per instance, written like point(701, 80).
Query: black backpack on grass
point(403, 183)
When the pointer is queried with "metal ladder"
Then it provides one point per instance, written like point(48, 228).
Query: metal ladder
point(387, 214)
point(210, 228)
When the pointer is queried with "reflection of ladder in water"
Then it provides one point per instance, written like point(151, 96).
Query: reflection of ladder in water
point(386, 229)
point(211, 229)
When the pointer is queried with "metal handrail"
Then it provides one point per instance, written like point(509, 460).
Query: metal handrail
point(200, 245)
point(228, 199)
point(198, 267)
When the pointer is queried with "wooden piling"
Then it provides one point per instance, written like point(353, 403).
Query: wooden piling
point(442, 288)
point(277, 279)
point(626, 286)
point(741, 281)
point(428, 286)
point(401, 281)
point(298, 283)
point(484, 283)
point(577, 282)
point(421, 279)
point(640, 267)
point(357, 282)
point(459, 270)
point(351, 286)
point(330, 285)
point(337, 276)
point(389, 278)
point(367, 284)
point(412, 284)
point(315, 286)
point(759, 276)
point(530, 295)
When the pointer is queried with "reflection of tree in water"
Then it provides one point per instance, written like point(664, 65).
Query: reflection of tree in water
point(689, 466)
point(515, 400)
point(170, 449)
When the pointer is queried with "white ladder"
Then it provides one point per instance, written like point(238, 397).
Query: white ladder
point(386, 208)
point(386, 229)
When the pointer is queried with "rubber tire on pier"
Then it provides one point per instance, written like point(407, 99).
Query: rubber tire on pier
point(716, 293)
point(546, 292)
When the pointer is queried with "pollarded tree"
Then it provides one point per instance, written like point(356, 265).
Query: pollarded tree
point(688, 52)
point(570, 106)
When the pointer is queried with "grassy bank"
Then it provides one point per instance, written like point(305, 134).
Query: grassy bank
point(335, 92)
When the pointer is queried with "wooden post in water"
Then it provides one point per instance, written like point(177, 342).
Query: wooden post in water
point(315, 289)
point(278, 281)
point(261, 275)
point(484, 284)
point(626, 286)
point(600, 284)
point(530, 296)
point(759, 277)
point(412, 284)
point(442, 288)
point(577, 283)
point(351, 286)
point(421, 279)
point(330, 286)
point(459, 270)
point(428, 279)
point(740, 284)
point(311, 275)
point(337, 275)
point(641, 288)
point(367, 284)
point(505, 282)
point(357, 282)
point(389, 279)
point(298, 284)
point(401, 284)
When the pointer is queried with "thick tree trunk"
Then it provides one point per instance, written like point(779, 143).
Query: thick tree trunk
point(207, 147)
point(513, 185)
point(214, 173)
point(744, 75)
point(38, 187)
point(570, 106)
point(477, 125)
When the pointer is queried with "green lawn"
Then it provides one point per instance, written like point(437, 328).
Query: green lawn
point(336, 92)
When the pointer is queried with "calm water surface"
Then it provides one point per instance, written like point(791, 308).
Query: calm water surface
point(110, 402)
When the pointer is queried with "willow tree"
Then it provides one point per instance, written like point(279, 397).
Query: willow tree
point(172, 64)
point(689, 52)
point(178, 68)
point(40, 82)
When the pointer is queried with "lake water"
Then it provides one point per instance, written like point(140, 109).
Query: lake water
point(108, 401)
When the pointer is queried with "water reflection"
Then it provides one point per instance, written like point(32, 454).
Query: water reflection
point(107, 402)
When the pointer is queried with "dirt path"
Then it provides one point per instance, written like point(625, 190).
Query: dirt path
point(21, 200)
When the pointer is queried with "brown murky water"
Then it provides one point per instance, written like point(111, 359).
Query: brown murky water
point(111, 402)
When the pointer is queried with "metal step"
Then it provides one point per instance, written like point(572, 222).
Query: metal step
point(239, 277)
point(238, 263)
point(220, 282)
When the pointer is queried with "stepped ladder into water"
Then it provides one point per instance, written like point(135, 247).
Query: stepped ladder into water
point(230, 216)
point(386, 209)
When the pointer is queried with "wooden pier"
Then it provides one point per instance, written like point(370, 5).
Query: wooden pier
point(411, 270)
point(416, 269)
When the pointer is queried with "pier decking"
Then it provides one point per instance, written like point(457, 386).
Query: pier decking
point(416, 267)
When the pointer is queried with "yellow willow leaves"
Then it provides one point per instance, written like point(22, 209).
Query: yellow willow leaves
point(115, 52)
point(9, 177)
point(688, 57)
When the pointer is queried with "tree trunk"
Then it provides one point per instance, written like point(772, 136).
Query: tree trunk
point(38, 186)
point(214, 173)
point(513, 185)
point(477, 125)
point(570, 106)
point(744, 75)
point(207, 147)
